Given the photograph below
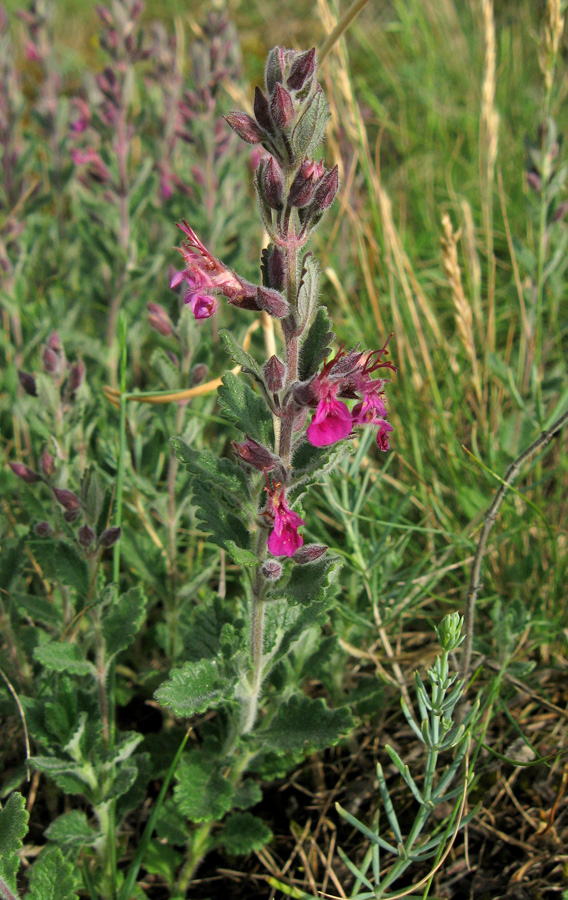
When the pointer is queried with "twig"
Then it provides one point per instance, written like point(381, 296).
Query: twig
point(490, 517)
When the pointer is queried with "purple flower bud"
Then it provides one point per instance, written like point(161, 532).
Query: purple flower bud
point(202, 305)
point(109, 537)
point(303, 68)
point(560, 212)
point(308, 554)
point(198, 374)
point(158, 318)
point(255, 455)
point(277, 268)
point(274, 372)
point(273, 302)
point(271, 570)
point(25, 473)
point(105, 16)
point(50, 361)
point(281, 107)
point(261, 111)
point(71, 515)
point(326, 190)
point(47, 463)
point(67, 499)
point(43, 529)
point(76, 378)
point(86, 536)
point(534, 181)
point(272, 182)
point(246, 128)
point(28, 383)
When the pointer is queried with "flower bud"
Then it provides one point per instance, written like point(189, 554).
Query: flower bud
point(158, 318)
point(303, 68)
point(273, 71)
point(560, 212)
point(198, 374)
point(255, 455)
point(534, 181)
point(272, 302)
point(25, 473)
point(277, 268)
point(309, 553)
point(326, 190)
point(109, 537)
point(43, 529)
point(281, 107)
point(28, 383)
point(68, 500)
point(76, 378)
point(261, 111)
point(71, 515)
point(86, 536)
point(245, 127)
point(272, 184)
point(105, 16)
point(271, 570)
point(47, 463)
point(274, 372)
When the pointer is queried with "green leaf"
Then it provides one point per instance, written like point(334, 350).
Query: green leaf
point(285, 624)
point(246, 409)
point(202, 793)
point(312, 463)
point(92, 496)
point(306, 724)
point(162, 860)
point(194, 688)
point(53, 877)
point(316, 346)
point(71, 829)
point(240, 356)
point(123, 781)
point(13, 827)
point(309, 131)
point(248, 793)
point(310, 583)
point(40, 609)
point(61, 561)
point(244, 833)
point(309, 288)
point(62, 656)
point(124, 619)
point(243, 558)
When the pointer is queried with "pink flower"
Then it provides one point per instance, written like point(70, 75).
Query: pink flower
point(383, 435)
point(202, 305)
point(371, 411)
point(284, 539)
point(332, 421)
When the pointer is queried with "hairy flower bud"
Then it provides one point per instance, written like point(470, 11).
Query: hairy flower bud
point(158, 318)
point(309, 554)
point(273, 72)
point(245, 127)
point(281, 107)
point(68, 500)
point(274, 372)
point(262, 111)
point(47, 463)
point(76, 378)
point(326, 190)
point(271, 570)
point(25, 473)
point(109, 537)
point(198, 374)
point(277, 268)
point(43, 529)
point(303, 68)
point(28, 383)
point(255, 455)
point(307, 177)
point(272, 302)
point(272, 183)
point(86, 536)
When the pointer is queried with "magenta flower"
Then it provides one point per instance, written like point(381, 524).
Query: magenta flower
point(332, 421)
point(284, 539)
point(202, 305)
point(371, 411)
point(383, 435)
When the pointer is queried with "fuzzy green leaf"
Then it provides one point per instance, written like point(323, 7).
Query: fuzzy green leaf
point(123, 620)
point(309, 131)
point(202, 793)
point(62, 562)
point(309, 288)
point(53, 877)
point(244, 833)
point(246, 409)
point(316, 345)
point(306, 724)
point(240, 356)
point(71, 777)
point(194, 688)
point(247, 794)
point(71, 829)
point(62, 656)
point(11, 561)
point(312, 463)
point(285, 624)
point(310, 583)
point(13, 827)
point(244, 558)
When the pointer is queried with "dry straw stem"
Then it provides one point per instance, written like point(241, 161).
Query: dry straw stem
point(490, 518)
point(553, 28)
point(113, 395)
point(488, 136)
point(464, 318)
